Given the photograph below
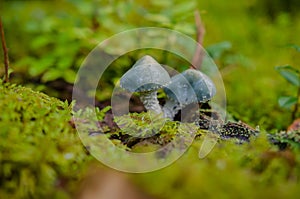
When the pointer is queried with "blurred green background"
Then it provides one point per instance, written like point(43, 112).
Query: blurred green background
point(48, 40)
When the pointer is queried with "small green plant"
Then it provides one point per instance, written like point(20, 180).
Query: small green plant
point(292, 75)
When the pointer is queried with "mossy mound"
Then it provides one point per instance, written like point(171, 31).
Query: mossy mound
point(250, 170)
point(41, 156)
point(40, 151)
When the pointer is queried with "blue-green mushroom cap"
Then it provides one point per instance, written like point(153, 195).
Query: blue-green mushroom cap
point(145, 75)
point(203, 86)
point(191, 86)
point(179, 89)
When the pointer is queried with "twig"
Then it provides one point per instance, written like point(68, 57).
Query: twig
point(5, 52)
point(199, 54)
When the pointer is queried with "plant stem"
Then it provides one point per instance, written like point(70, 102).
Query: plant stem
point(296, 106)
point(199, 54)
point(5, 52)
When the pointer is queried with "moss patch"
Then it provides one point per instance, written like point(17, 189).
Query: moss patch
point(40, 151)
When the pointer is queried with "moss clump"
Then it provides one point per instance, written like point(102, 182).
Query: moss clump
point(144, 129)
point(286, 139)
point(40, 153)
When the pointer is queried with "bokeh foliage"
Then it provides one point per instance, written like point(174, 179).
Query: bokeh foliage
point(41, 155)
point(48, 41)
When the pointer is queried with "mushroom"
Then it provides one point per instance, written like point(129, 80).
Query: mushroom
point(191, 86)
point(145, 77)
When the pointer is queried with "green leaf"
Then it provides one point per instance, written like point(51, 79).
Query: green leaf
point(290, 74)
point(39, 66)
point(216, 50)
point(185, 28)
point(69, 76)
point(162, 4)
point(296, 47)
point(40, 41)
point(287, 67)
point(51, 75)
point(65, 62)
point(158, 18)
point(184, 8)
point(287, 101)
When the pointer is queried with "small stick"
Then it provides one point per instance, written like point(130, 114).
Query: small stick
point(198, 55)
point(5, 52)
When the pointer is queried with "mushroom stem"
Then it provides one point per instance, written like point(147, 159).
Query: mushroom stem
point(171, 108)
point(150, 101)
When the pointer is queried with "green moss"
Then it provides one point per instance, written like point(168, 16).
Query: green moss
point(40, 152)
point(252, 170)
point(149, 130)
point(42, 156)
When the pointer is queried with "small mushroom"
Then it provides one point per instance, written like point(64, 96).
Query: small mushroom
point(180, 93)
point(191, 86)
point(145, 77)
